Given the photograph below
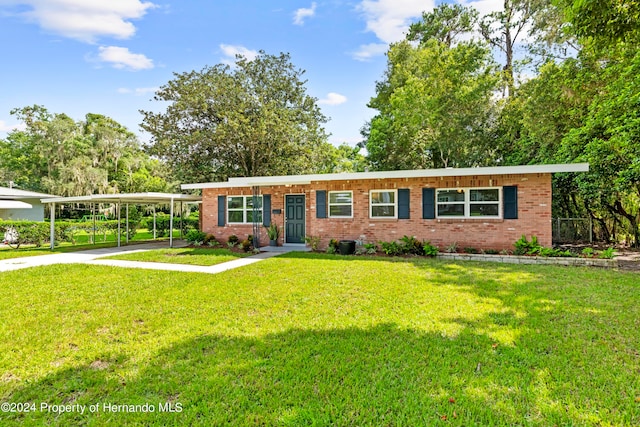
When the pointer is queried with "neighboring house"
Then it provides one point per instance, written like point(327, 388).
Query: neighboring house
point(483, 208)
point(18, 204)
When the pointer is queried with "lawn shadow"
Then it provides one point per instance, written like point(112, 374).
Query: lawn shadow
point(383, 375)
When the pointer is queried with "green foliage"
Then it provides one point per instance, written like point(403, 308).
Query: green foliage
point(391, 248)
point(313, 242)
point(587, 252)
point(411, 245)
point(58, 155)
point(252, 118)
point(607, 253)
point(430, 250)
point(452, 248)
point(370, 248)
point(246, 245)
point(525, 247)
point(233, 239)
point(273, 231)
point(195, 236)
point(435, 104)
point(470, 250)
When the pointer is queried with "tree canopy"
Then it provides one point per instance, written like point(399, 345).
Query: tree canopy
point(58, 155)
point(252, 118)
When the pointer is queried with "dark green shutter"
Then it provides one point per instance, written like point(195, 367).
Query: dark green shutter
point(266, 210)
point(510, 202)
point(428, 203)
point(222, 201)
point(403, 203)
point(321, 204)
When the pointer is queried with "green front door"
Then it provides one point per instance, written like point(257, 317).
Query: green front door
point(295, 208)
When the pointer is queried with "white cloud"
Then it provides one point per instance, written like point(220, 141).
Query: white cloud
point(333, 99)
point(139, 91)
point(485, 7)
point(368, 51)
point(4, 127)
point(86, 20)
point(390, 19)
point(122, 58)
point(302, 13)
point(231, 51)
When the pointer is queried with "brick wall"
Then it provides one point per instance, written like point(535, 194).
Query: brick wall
point(534, 212)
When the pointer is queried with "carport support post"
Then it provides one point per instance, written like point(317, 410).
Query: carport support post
point(126, 236)
point(181, 223)
point(118, 209)
point(171, 224)
point(52, 224)
point(154, 222)
point(93, 213)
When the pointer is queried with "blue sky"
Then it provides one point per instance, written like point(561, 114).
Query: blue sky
point(109, 56)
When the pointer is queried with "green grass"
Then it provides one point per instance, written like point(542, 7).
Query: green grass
point(193, 256)
point(81, 244)
point(308, 339)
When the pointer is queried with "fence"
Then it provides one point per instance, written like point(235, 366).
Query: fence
point(572, 230)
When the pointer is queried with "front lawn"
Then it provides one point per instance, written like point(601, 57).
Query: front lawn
point(312, 339)
point(193, 256)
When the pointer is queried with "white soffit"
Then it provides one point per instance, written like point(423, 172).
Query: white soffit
point(14, 204)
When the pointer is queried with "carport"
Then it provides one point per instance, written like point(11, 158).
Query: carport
point(127, 199)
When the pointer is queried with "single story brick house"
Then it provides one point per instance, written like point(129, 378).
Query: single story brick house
point(483, 208)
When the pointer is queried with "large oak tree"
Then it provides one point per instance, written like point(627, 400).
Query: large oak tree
point(253, 118)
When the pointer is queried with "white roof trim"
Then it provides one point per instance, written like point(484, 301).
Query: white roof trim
point(416, 173)
point(14, 204)
point(142, 198)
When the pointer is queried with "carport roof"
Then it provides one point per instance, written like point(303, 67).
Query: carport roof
point(140, 198)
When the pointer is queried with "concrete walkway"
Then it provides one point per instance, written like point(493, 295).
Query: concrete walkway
point(92, 256)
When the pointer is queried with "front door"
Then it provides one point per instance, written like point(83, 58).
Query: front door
point(294, 228)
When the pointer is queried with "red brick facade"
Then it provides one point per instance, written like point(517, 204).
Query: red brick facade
point(534, 212)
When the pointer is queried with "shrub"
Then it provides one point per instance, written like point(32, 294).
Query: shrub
point(209, 239)
point(391, 248)
point(370, 248)
point(470, 250)
point(491, 251)
point(25, 232)
point(195, 236)
point(411, 245)
point(526, 247)
point(233, 239)
point(587, 252)
point(333, 243)
point(429, 249)
point(246, 245)
point(606, 254)
point(452, 248)
point(313, 242)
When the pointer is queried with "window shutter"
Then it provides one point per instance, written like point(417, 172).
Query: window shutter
point(222, 201)
point(321, 204)
point(510, 202)
point(428, 203)
point(403, 203)
point(266, 210)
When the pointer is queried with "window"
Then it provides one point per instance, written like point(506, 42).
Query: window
point(382, 204)
point(240, 209)
point(341, 204)
point(468, 203)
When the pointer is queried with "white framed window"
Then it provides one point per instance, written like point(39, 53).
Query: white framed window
point(240, 209)
point(468, 203)
point(340, 204)
point(383, 204)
